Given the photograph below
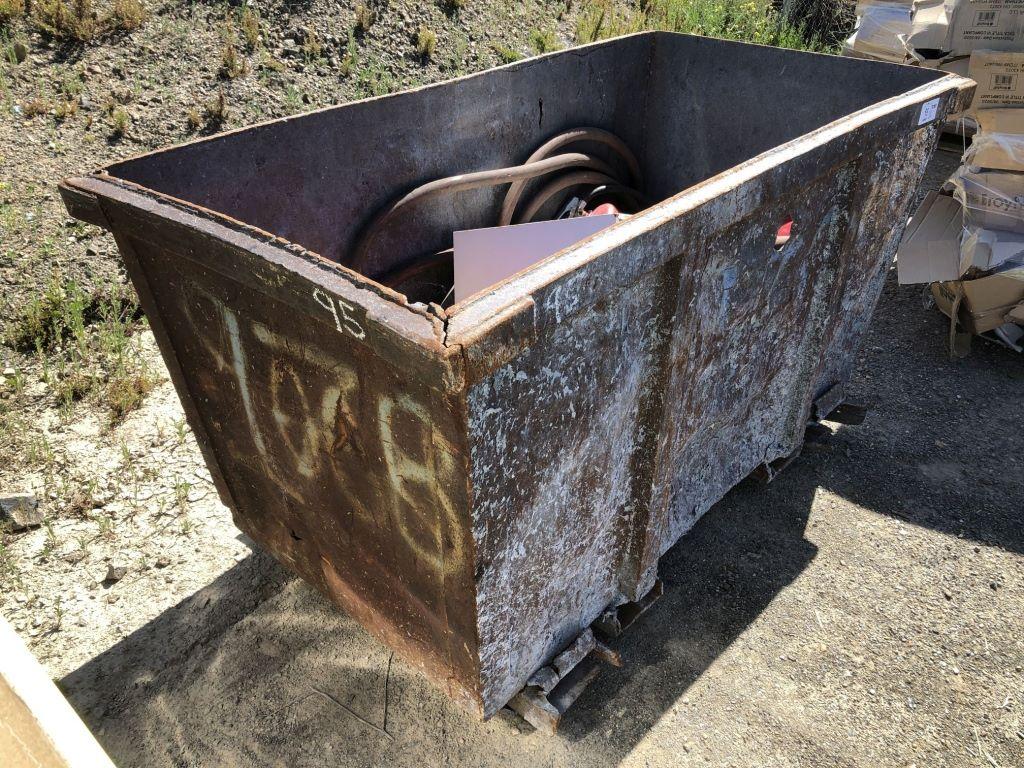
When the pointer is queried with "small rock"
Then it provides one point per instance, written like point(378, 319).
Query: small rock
point(21, 512)
point(20, 51)
point(114, 573)
point(9, 371)
point(163, 561)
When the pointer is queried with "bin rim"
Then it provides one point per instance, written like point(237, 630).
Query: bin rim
point(435, 333)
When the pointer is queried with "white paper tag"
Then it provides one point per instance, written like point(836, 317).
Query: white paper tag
point(928, 111)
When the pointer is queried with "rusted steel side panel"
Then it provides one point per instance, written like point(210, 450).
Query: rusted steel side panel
point(602, 443)
point(744, 353)
point(552, 436)
point(348, 469)
point(568, 438)
point(885, 198)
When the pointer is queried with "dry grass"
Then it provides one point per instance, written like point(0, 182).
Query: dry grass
point(232, 63)
point(193, 119)
point(426, 41)
point(364, 18)
point(35, 107)
point(249, 22)
point(127, 15)
point(312, 48)
point(77, 22)
point(11, 10)
point(217, 110)
point(66, 109)
point(125, 392)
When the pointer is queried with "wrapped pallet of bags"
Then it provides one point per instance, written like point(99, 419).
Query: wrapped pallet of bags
point(955, 28)
point(967, 240)
point(881, 28)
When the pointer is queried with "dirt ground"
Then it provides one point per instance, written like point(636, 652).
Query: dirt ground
point(864, 609)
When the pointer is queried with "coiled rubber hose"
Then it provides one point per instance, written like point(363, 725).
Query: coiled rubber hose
point(577, 169)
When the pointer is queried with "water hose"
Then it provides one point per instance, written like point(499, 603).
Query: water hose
point(578, 169)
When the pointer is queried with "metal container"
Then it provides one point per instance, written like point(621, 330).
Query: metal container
point(478, 485)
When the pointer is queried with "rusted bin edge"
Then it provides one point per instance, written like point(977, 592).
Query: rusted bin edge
point(475, 487)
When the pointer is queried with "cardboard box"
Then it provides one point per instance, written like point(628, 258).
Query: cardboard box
point(930, 250)
point(879, 28)
point(987, 249)
point(1000, 79)
point(958, 27)
point(999, 144)
point(983, 304)
point(991, 199)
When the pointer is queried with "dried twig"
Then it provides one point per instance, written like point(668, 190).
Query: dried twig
point(354, 714)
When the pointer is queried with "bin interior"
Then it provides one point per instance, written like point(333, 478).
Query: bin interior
point(689, 107)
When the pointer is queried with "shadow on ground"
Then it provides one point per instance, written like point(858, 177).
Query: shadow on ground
point(280, 677)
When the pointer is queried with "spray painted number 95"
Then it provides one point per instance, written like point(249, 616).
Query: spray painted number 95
point(341, 311)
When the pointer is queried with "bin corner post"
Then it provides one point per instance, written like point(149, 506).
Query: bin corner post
point(82, 205)
point(93, 207)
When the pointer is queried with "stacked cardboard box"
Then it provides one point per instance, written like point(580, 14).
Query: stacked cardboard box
point(882, 26)
point(954, 28)
point(942, 34)
point(968, 239)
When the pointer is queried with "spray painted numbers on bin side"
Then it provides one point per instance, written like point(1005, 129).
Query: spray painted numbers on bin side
point(341, 311)
point(316, 421)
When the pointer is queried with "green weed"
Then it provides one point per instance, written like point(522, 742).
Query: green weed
point(752, 21)
point(120, 122)
point(544, 40)
point(426, 41)
point(506, 54)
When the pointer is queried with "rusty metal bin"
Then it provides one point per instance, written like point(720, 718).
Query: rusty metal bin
point(477, 485)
